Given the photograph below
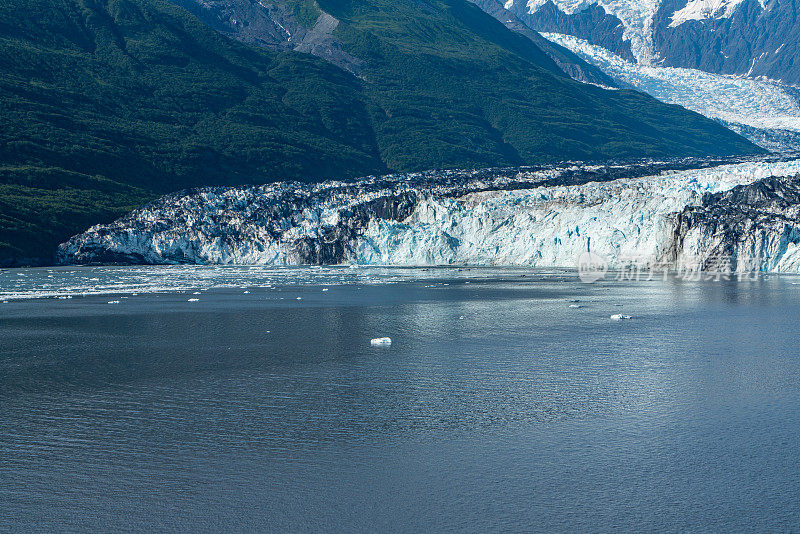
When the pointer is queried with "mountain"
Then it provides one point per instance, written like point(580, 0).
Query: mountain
point(751, 38)
point(276, 24)
point(107, 104)
point(764, 111)
point(731, 60)
point(575, 67)
point(303, 27)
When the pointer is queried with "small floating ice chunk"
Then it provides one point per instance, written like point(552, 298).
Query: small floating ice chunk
point(380, 341)
point(575, 306)
point(299, 298)
point(324, 289)
point(193, 300)
point(113, 302)
point(246, 292)
point(620, 317)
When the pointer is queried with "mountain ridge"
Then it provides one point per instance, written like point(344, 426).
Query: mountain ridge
point(751, 38)
point(107, 104)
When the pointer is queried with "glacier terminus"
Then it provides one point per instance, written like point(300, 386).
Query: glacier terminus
point(538, 217)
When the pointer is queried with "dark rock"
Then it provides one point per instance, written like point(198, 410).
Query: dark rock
point(749, 226)
point(272, 24)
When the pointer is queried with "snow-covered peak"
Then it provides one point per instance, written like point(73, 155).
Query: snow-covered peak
point(706, 9)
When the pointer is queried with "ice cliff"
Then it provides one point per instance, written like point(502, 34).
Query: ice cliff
point(536, 217)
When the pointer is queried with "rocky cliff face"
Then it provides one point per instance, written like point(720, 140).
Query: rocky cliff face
point(538, 217)
point(274, 24)
point(758, 39)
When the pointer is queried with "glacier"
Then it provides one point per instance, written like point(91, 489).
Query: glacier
point(542, 217)
point(550, 226)
point(638, 17)
point(766, 112)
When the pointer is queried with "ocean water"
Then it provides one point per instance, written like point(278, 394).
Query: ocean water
point(241, 399)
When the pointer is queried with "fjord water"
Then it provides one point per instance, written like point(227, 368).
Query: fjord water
point(497, 407)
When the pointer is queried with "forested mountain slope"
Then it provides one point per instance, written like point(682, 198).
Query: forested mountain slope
point(108, 103)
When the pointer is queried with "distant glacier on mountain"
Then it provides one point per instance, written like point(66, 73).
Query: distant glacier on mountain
point(753, 38)
point(765, 111)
